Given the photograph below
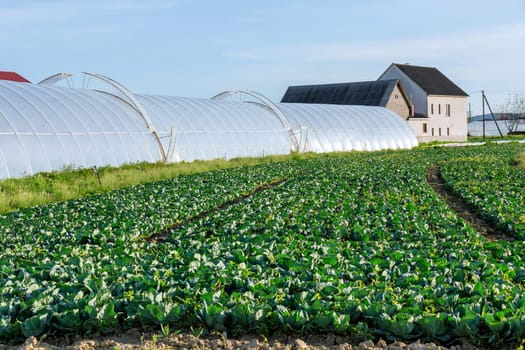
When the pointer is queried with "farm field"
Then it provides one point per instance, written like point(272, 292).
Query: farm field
point(354, 244)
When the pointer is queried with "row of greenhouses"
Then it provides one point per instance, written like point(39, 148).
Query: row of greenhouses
point(48, 127)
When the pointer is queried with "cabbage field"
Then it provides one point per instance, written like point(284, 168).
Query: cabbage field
point(356, 244)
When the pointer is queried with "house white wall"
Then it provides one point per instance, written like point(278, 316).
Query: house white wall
point(447, 118)
point(435, 124)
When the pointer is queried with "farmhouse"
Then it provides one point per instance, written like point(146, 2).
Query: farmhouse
point(434, 107)
point(440, 106)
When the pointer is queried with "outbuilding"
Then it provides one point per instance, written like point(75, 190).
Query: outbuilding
point(384, 93)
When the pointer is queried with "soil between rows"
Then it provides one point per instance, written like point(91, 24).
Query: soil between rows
point(164, 235)
point(134, 340)
point(462, 209)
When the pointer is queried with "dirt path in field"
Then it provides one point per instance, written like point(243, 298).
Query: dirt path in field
point(187, 341)
point(164, 235)
point(462, 209)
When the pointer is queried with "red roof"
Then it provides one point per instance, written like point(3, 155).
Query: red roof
point(12, 76)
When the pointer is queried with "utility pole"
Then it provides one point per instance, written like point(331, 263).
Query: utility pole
point(483, 111)
point(485, 100)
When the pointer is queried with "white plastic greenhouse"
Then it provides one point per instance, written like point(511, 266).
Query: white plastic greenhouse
point(47, 128)
point(334, 128)
point(476, 128)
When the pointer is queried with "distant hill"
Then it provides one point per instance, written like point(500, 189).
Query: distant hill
point(476, 127)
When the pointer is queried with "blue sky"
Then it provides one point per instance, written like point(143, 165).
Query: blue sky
point(199, 48)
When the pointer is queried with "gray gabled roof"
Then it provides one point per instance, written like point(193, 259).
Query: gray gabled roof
point(367, 93)
point(431, 80)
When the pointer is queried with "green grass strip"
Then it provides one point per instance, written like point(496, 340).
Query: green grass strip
point(44, 188)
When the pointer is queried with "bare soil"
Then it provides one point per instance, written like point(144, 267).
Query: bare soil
point(135, 340)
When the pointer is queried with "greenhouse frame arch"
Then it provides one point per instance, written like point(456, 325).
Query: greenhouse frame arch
point(46, 127)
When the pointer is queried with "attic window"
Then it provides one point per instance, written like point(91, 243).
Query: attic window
point(396, 97)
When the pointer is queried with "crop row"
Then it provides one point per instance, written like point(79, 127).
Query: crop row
point(347, 243)
point(377, 251)
point(493, 186)
point(134, 212)
point(39, 245)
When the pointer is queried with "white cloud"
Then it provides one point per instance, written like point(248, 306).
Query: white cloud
point(24, 13)
point(490, 58)
point(494, 41)
point(74, 24)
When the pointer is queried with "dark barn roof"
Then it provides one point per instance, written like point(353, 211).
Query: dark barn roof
point(12, 76)
point(431, 80)
point(368, 93)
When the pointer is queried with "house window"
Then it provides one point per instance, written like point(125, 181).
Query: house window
point(447, 110)
point(448, 131)
point(439, 108)
point(432, 131)
point(431, 108)
point(425, 128)
point(439, 131)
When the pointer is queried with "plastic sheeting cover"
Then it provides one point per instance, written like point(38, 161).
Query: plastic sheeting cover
point(208, 129)
point(332, 128)
point(46, 128)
